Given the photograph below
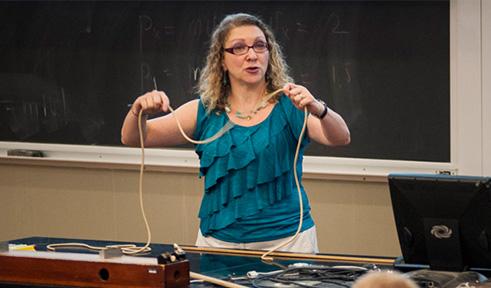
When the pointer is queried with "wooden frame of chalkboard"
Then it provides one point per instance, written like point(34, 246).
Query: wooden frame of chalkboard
point(319, 164)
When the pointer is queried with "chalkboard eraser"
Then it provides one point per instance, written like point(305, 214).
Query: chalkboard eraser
point(25, 153)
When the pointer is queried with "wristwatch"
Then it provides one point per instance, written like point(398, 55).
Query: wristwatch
point(324, 113)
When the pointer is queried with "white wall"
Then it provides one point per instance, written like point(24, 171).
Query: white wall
point(466, 85)
point(486, 90)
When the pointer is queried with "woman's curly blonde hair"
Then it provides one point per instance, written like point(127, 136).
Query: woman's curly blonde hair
point(211, 86)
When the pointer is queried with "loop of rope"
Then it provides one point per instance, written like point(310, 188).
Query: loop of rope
point(265, 256)
point(131, 249)
point(228, 126)
point(128, 249)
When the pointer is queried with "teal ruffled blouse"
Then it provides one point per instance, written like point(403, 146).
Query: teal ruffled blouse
point(250, 192)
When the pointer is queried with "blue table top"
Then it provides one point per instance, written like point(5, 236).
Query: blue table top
point(215, 265)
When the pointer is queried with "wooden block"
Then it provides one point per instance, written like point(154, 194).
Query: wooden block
point(89, 270)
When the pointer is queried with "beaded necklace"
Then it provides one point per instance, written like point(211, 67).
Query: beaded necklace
point(241, 115)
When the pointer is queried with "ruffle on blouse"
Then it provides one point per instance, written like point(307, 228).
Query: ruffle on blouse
point(244, 170)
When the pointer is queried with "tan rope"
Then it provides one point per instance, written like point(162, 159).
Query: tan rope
point(133, 249)
point(227, 127)
point(219, 134)
point(129, 249)
point(265, 256)
point(222, 131)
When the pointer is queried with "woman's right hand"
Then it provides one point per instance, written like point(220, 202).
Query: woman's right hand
point(151, 103)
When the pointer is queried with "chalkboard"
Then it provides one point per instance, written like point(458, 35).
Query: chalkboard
point(68, 70)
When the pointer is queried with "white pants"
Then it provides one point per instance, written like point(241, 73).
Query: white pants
point(306, 242)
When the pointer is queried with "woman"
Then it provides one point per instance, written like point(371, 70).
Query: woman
point(250, 198)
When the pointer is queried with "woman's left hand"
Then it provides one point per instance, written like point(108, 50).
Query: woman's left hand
point(331, 129)
point(301, 97)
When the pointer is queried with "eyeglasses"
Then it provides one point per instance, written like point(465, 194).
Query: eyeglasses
point(241, 49)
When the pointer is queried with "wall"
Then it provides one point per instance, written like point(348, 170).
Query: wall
point(486, 92)
point(352, 217)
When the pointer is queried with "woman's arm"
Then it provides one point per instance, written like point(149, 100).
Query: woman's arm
point(162, 131)
point(331, 129)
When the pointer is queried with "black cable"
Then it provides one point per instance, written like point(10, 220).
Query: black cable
point(314, 276)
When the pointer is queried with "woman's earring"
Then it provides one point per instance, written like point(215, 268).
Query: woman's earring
point(267, 78)
point(224, 78)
